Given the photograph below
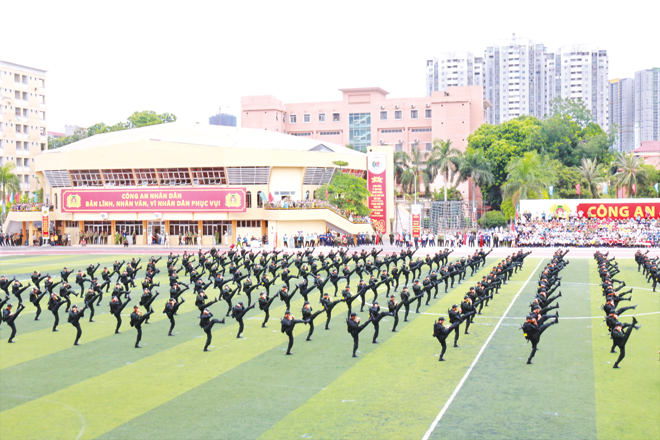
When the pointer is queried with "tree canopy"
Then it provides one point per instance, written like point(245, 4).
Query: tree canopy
point(137, 119)
point(346, 192)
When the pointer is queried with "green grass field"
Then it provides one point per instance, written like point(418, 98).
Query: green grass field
point(247, 388)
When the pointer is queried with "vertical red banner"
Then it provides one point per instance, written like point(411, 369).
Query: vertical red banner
point(45, 224)
point(416, 211)
point(377, 186)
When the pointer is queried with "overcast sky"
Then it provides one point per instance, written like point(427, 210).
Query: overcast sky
point(106, 60)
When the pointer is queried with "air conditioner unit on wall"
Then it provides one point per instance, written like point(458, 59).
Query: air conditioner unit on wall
point(158, 215)
point(396, 106)
point(104, 216)
point(416, 141)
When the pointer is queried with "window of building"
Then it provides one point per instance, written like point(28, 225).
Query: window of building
point(414, 114)
point(248, 199)
point(429, 146)
point(335, 117)
point(248, 223)
point(359, 125)
point(391, 130)
point(301, 134)
point(260, 199)
point(209, 176)
point(330, 133)
point(293, 119)
point(25, 96)
point(70, 224)
point(383, 115)
point(86, 178)
point(174, 176)
point(146, 177)
point(183, 227)
point(307, 118)
point(398, 114)
point(428, 113)
point(398, 147)
point(321, 117)
point(121, 177)
point(420, 130)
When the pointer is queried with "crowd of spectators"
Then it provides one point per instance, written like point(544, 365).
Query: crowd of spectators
point(588, 232)
point(30, 206)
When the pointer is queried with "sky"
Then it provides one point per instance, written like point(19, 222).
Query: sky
point(108, 59)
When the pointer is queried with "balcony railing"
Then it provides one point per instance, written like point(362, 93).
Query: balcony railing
point(29, 207)
point(316, 204)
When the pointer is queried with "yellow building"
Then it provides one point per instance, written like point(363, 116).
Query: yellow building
point(181, 178)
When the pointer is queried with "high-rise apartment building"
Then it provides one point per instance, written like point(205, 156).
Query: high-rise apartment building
point(622, 113)
point(22, 119)
point(224, 119)
point(584, 76)
point(647, 106)
point(453, 69)
point(520, 77)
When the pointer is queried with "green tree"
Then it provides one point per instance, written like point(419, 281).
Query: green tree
point(492, 219)
point(412, 171)
point(149, 117)
point(589, 171)
point(453, 195)
point(476, 167)
point(566, 178)
point(444, 160)
point(9, 182)
point(572, 109)
point(346, 192)
point(630, 170)
point(137, 119)
point(647, 189)
point(529, 176)
point(508, 209)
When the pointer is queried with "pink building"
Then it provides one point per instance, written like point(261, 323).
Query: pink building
point(365, 116)
point(650, 151)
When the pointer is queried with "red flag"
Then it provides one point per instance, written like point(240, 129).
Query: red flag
point(18, 197)
point(326, 193)
point(577, 187)
point(270, 197)
point(634, 188)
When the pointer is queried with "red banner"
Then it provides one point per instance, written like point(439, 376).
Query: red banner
point(377, 186)
point(45, 224)
point(416, 211)
point(154, 200)
point(619, 210)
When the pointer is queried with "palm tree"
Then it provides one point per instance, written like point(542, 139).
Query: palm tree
point(9, 182)
point(591, 174)
point(476, 167)
point(529, 175)
point(444, 160)
point(630, 171)
point(412, 171)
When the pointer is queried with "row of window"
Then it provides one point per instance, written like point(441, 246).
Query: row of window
point(24, 79)
point(398, 114)
point(428, 146)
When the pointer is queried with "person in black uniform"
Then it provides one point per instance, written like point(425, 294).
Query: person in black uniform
point(206, 322)
point(440, 331)
point(533, 333)
point(37, 278)
point(137, 318)
point(5, 283)
point(201, 301)
point(35, 298)
point(170, 311)
point(147, 299)
point(2, 303)
point(264, 304)
point(237, 312)
point(621, 338)
point(309, 317)
point(90, 297)
point(17, 288)
point(354, 328)
point(227, 295)
point(375, 315)
point(65, 274)
point(394, 306)
point(116, 307)
point(328, 305)
point(288, 323)
point(10, 317)
point(74, 320)
point(54, 303)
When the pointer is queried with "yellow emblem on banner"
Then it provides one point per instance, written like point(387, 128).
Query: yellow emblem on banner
point(233, 200)
point(73, 201)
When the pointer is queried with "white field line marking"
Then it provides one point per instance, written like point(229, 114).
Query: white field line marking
point(82, 419)
point(476, 359)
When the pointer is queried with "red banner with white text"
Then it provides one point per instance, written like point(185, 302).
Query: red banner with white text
point(619, 210)
point(377, 186)
point(154, 200)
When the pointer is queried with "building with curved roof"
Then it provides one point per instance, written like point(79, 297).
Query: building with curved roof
point(180, 178)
